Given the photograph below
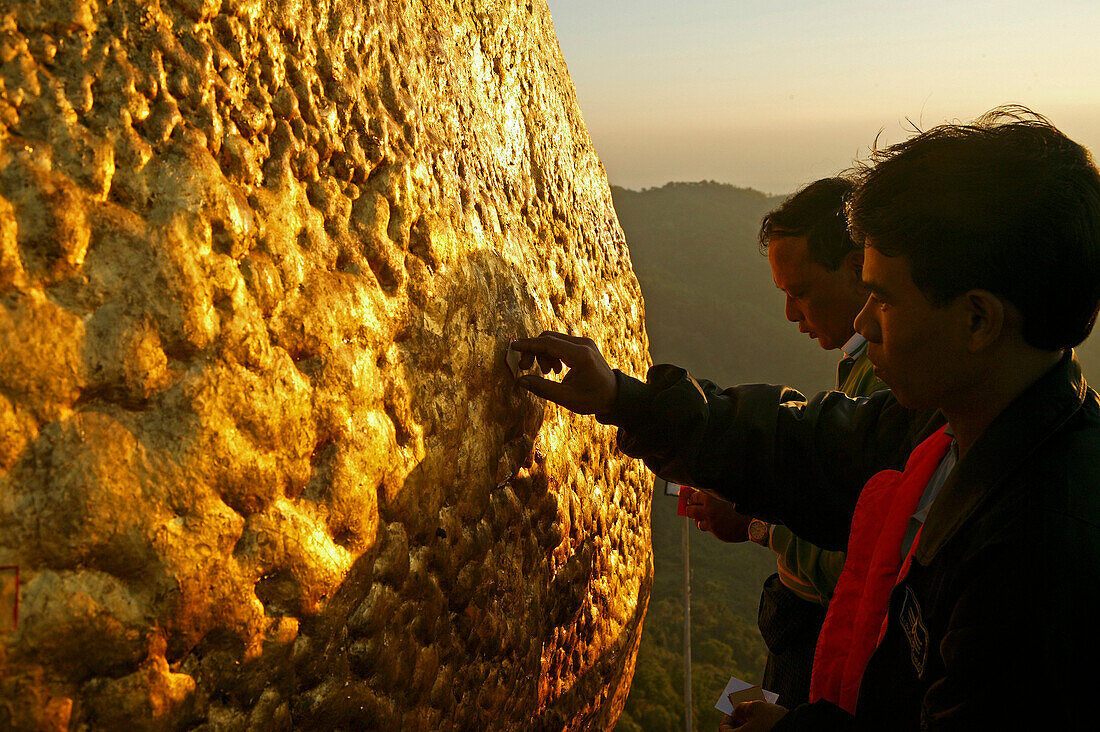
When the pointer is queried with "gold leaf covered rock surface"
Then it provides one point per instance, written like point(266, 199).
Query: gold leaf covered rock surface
point(262, 465)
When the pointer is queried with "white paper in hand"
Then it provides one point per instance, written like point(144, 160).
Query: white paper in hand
point(742, 692)
point(512, 359)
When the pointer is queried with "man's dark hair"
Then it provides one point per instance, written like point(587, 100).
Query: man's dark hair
point(816, 212)
point(1007, 204)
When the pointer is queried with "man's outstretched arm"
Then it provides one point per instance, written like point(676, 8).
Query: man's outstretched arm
point(763, 447)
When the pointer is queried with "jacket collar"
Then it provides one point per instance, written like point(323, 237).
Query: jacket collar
point(855, 346)
point(1006, 444)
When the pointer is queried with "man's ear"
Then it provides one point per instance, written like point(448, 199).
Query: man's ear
point(985, 314)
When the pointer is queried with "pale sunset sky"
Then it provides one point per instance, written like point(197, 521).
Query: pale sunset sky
point(772, 95)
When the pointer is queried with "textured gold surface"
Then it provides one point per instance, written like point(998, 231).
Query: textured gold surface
point(261, 461)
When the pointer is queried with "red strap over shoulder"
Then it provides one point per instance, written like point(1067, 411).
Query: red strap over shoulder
point(858, 608)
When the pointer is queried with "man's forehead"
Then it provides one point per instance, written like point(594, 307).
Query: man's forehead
point(882, 273)
point(788, 246)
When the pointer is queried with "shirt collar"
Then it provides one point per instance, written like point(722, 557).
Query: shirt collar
point(854, 347)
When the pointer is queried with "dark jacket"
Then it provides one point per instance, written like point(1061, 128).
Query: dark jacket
point(1002, 604)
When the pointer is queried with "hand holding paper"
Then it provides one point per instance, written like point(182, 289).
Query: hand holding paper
point(748, 708)
point(738, 691)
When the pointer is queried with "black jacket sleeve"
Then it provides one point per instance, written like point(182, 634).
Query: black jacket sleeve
point(820, 716)
point(765, 447)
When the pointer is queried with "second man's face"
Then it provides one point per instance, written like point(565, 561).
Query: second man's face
point(823, 303)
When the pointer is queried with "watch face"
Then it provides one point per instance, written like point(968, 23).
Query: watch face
point(758, 530)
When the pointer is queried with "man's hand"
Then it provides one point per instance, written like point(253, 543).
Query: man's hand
point(717, 516)
point(588, 388)
point(753, 716)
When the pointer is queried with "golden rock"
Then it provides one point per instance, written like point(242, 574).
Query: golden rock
point(262, 464)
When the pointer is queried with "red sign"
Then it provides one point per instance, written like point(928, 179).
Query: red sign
point(9, 598)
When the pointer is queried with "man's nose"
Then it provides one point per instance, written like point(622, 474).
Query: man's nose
point(791, 311)
point(866, 324)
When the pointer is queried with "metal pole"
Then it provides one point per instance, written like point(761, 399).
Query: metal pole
point(687, 625)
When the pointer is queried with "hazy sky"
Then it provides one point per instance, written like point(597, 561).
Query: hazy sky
point(773, 94)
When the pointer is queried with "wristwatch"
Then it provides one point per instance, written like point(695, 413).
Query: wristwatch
point(759, 531)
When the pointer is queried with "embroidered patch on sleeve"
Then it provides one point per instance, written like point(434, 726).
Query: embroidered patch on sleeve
point(9, 598)
point(912, 624)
